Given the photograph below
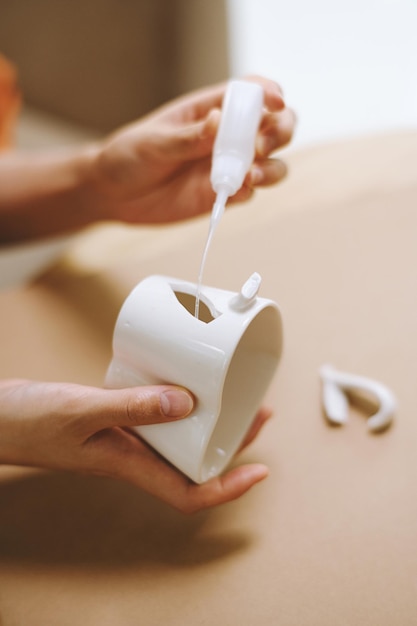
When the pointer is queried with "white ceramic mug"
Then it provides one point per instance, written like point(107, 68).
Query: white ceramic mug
point(226, 358)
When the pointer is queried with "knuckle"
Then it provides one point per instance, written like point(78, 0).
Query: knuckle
point(131, 411)
point(142, 408)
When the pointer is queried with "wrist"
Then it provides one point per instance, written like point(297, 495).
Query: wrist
point(86, 188)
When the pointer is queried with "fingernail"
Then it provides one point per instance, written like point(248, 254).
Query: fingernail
point(176, 403)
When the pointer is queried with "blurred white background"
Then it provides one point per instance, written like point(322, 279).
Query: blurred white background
point(347, 67)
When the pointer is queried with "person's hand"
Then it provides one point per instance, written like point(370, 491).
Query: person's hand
point(88, 430)
point(153, 171)
point(158, 169)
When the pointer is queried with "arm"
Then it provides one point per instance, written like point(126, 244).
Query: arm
point(42, 194)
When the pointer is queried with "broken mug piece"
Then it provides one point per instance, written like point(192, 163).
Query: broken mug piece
point(226, 358)
point(335, 402)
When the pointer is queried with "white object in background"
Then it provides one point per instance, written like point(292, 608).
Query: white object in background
point(226, 358)
point(336, 405)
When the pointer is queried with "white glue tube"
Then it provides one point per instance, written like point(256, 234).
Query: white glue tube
point(234, 147)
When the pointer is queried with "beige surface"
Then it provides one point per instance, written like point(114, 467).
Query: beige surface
point(330, 539)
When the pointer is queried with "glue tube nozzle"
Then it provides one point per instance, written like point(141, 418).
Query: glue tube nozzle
point(219, 206)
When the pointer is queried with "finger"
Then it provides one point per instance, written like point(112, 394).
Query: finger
point(266, 172)
point(211, 123)
point(221, 489)
point(262, 174)
point(194, 140)
point(206, 99)
point(169, 485)
point(276, 131)
point(244, 194)
point(196, 105)
point(136, 406)
point(273, 94)
point(263, 416)
point(143, 467)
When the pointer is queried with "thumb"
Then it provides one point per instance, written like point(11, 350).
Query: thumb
point(135, 406)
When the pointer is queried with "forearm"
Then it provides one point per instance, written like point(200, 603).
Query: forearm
point(44, 194)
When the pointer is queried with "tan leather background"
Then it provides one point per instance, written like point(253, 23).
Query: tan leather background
point(330, 539)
